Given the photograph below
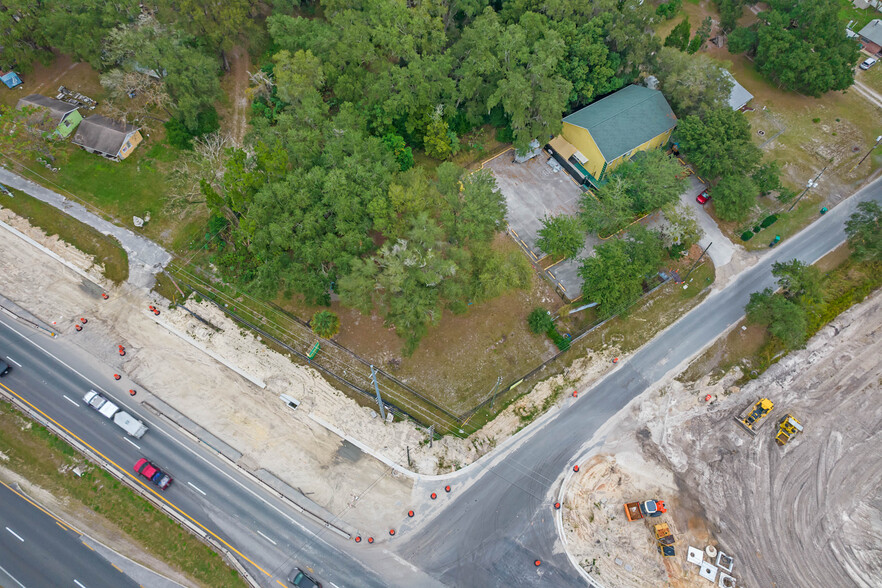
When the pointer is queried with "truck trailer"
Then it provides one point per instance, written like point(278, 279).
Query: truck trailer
point(121, 418)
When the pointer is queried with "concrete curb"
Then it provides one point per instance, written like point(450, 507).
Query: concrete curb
point(52, 254)
point(558, 523)
point(183, 336)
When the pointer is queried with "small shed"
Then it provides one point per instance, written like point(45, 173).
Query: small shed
point(65, 116)
point(107, 137)
point(11, 79)
point(738, 95)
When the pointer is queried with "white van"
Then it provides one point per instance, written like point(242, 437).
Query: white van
point(869, 62)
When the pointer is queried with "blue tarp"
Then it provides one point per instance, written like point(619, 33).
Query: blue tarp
point(11, 79)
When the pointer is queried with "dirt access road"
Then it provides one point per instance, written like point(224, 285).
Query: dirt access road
point(807, 514)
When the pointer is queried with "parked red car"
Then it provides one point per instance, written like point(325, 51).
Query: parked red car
point(153, 473)
point(703, 197)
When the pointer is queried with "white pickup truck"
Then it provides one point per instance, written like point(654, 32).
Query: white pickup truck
point(123, 420)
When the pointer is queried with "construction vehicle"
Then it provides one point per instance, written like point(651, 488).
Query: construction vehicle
point(648, 508)
point(753, 417)
point(788, 428)
point(664, 540)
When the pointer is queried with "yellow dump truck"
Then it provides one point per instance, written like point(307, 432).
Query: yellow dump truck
point(788, 428)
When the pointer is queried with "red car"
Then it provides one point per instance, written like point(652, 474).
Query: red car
point(153, 473)
point(703, 197)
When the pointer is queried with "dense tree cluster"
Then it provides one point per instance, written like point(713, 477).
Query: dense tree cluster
point(801, 46)
point(786, 313)
point(649, 182)
point(864, 231)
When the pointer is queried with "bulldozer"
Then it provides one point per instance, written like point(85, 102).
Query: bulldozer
point(753, 416)
point(788, 428)
point(648, 508)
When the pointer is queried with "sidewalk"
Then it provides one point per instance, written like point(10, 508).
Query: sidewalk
point(146, 258)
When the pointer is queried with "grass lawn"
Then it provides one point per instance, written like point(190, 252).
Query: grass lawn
point(105, 249)
point(45, 460)
point(861, 17)
point(845, 284)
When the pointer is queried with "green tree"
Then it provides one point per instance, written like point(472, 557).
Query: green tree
point(803, 47)
point(767, 177)
point(742, 40)
point(719, 142)
point(474, 209)
point(679, 36)
point(403, 154)
point(218, 24)
point(561, 236)
point(681, 227)
point(25, 131)
point(701, 35)
point(588, 63)
point(800, 283)
point(539, 321)
point(609, 209)
point(864, 231)
point(692, 85)
point(730, 12)
point(785, 319)
point(734, 197)
point(652, 180)
point(325, 324)
point(614, 276)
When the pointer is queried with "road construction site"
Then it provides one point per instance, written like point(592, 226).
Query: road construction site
point(806, 513)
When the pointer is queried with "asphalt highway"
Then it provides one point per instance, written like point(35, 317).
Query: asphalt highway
point(502, 518)
point(37, 550)
point(267, 535)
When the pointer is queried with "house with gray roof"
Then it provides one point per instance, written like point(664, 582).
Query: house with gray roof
point(63, 117)
point(871, 37)
point(107, 137)
point(598, 138)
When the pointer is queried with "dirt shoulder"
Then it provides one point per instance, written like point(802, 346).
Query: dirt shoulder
point(806, 514)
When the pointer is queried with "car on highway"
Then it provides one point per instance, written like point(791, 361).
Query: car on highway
point(301, 579)
point(153, 473)
point(4, 367)
point(703, 197)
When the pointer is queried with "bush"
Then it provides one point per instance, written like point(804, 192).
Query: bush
point(562, 342)
point(178, 135)
point(757, 229)
point(768, 221)
point(540, 321)
point(747, 235)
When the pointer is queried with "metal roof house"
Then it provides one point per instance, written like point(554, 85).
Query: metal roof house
point(107, 137)
point(871, 37)
point(65, 116)
point(599, 137)
point(738, 96)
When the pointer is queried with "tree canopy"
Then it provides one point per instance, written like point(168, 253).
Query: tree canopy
point(801, 46)
point(692, 84)
point(864, 231)
point(561, 236)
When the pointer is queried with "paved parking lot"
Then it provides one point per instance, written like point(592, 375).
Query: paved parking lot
point(533, 190)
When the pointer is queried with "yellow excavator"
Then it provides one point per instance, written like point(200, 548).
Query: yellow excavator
point(788, 428)
point(751, 418)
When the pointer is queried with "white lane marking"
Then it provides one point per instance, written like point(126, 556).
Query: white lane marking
point(11, 576)
point(197, 489)
point(69, 400)
point(17, 536)
point(130, 441)
point(13, 361)
point(267, 538)
point(183, 445)
point(77, 582)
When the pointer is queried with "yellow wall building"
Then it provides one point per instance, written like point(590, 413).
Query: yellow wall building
point(598, 138)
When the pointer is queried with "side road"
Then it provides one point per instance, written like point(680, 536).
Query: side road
point(146, 258)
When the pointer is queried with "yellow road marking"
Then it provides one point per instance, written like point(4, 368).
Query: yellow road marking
point(279, 582)
point(58, 521)
point(87, 545)
point(117, 568)
point(125, 471)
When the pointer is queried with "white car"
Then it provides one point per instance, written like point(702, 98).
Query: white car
point(869, 62)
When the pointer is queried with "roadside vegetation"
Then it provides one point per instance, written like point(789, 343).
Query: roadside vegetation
point(106, 250)
point(42, 458)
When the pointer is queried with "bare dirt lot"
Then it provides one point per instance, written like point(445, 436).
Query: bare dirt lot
point(807, 514)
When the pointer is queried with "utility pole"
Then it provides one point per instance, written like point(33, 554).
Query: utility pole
point(377, 389)
point(811, 184)
point(697, 260)
point(878, 140)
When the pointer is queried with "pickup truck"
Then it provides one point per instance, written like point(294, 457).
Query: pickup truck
point(121, 418)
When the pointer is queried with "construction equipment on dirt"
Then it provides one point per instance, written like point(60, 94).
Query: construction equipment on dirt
point(753, 416)
point(788, 428)
point(663, 534)
point(648, 508)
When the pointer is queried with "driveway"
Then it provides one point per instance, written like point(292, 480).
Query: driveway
point(146, 258)
point(722, 249)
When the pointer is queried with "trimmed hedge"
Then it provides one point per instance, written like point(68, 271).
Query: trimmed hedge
point(769, 221)
point(562, 342)
point(747, 235)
